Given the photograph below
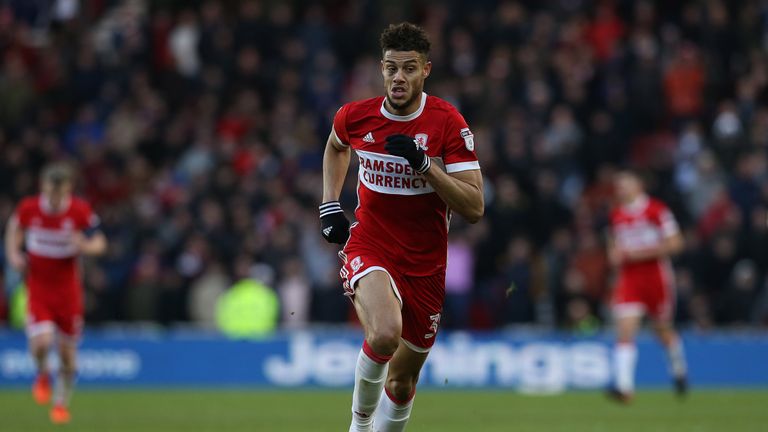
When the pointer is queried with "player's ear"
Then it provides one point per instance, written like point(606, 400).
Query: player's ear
point(427, 69)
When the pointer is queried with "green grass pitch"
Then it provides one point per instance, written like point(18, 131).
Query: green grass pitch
point(438, 411)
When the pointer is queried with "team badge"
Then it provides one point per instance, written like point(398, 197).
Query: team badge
point(469, 139)
point(421, 141)
point(356, 263)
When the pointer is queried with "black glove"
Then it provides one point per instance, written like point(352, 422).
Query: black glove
point(334, 225)
point(405, 146)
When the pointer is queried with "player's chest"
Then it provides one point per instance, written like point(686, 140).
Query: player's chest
point(373, 137)
point(636, 228)
point(61, 223)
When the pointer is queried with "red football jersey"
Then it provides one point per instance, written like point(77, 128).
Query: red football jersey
point(53, 270)
point(642, 225)
point(399, 215)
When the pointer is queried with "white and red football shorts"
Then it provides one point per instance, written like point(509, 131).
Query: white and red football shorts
point(650, 292)
point(421, 297)
point(46, 315)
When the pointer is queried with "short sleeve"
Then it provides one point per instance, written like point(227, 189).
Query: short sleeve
point(459, 151)
point(668, 223)
point(23, 213)
point(88, 220)
point(340, 125)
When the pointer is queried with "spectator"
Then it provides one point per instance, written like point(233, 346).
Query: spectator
point(199, 130)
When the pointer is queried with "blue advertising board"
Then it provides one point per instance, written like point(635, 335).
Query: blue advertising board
point(516, 360)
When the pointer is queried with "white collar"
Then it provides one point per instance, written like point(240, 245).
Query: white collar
point(637, 205)
point(404, 118)
point(45, 205)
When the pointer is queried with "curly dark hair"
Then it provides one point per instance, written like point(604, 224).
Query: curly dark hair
point(405, 37)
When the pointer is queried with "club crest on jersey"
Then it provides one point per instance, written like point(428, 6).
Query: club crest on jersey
point(356, 263)
point(469, 139)
point(421, 141)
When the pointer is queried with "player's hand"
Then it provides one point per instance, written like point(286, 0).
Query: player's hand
point(18, 261)
point(615, 256)
point(78, 240)
point(334, 225)
point(406, 147)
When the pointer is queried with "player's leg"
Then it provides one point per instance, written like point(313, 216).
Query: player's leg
point(65, 381)
point(397, 399)
point(661, 309)
point(379, 312)
point(422, 304)
point(40, 333)
point(673, 346)
point(41, 337)
point(628, 322)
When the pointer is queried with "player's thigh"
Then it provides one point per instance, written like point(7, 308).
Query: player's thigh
point(660, 300)
point(404, 369)
point(377, 306)
point(42, 340)
point(40, 325)
point(627, 326)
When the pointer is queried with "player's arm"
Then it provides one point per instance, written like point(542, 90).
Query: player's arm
point(91, 243)
point(461, 191)
point(671, 245)
point(334, 225)
point(14, 241)
point(335, 166)
point(89, 239)
point(614, 253)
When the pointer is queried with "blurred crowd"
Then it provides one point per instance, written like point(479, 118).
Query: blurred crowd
point(198, 129)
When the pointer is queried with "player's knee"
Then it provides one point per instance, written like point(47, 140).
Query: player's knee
point(385, 340)
point(666, 333)
point(402, 388)
point(68, 366)
point(40, 347)
point(69, 370)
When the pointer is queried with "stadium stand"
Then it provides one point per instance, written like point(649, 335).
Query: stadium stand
point(198, 129)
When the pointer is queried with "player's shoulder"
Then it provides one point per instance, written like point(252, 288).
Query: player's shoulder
point(656, 206)
point(362, 108)
point(439, 106)
point(80, 204)
point(28, 203)
point(616, 212)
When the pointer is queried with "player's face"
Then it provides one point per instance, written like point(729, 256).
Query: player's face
point(57, 193)
point(404, 74)
point(627, 187)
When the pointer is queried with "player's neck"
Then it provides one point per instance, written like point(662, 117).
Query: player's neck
point(637, 203)
point(407, 110)
point(47, 205)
